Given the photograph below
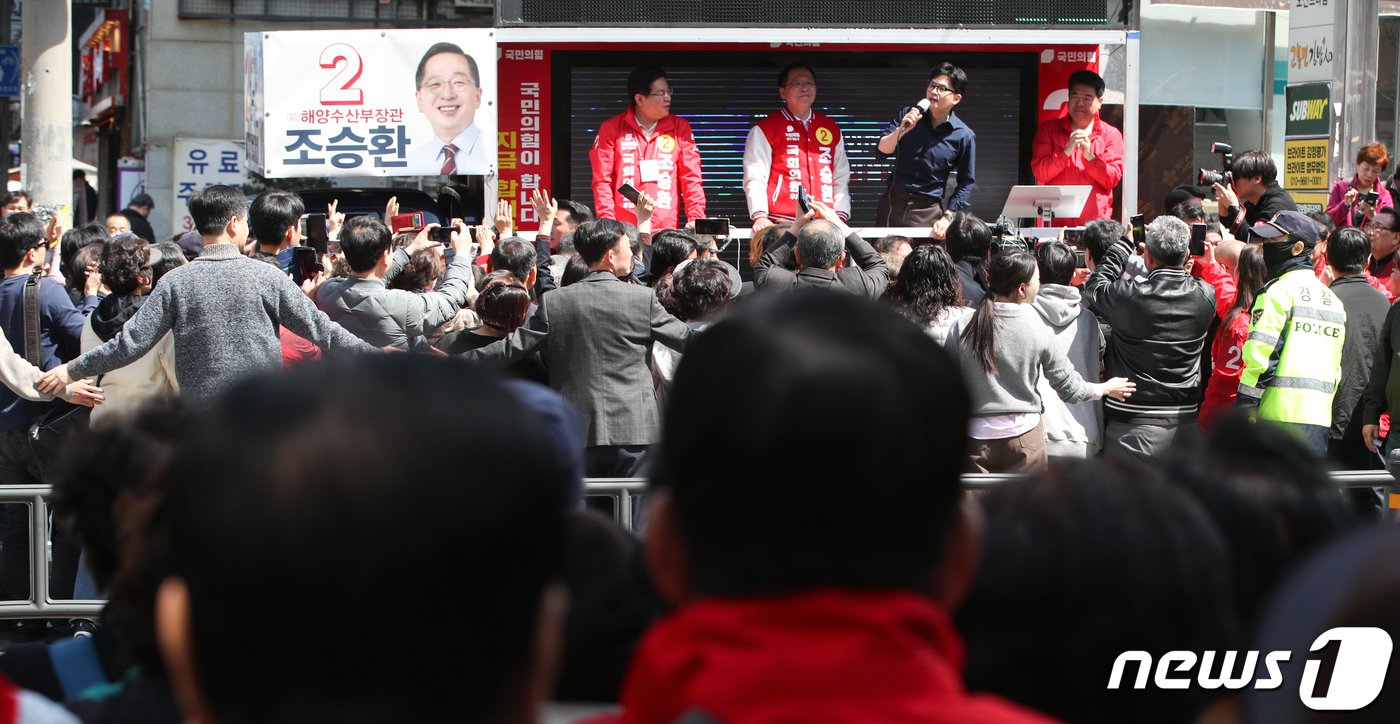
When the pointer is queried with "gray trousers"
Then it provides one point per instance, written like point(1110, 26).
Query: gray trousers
point(1141, 443)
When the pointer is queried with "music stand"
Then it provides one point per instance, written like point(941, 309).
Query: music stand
point(1044, 203)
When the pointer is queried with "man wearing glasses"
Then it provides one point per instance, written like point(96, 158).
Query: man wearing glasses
point(794, 147)
point(927, 147)
point(449, 94)
point(1079, 149)
point(650, 149)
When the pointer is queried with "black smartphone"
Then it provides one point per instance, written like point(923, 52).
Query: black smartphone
point(1139, 229)
point(1074, 235)
point(1371, 197)
point(629, 192)
point(313, 229)
point(441, 234)
point(1198, 239)
point(803, 203)
point(712, 227)
point(305, 264)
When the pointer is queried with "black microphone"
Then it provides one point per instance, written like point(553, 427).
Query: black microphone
point(923, 108)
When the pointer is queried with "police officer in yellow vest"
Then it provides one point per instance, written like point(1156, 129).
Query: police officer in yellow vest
point(1293, 357)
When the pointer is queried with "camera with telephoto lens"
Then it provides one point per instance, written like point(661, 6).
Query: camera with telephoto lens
point(1208, 177)
point(1006, 237)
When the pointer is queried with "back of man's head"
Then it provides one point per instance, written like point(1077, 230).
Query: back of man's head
point(1189, 212)
point(515, 255)
point(576, 213)
point(272, 213)
point(363, 241)
point(819, 245)
point(19, 232)
point(1348, 250)
point(1099, 236)
point(1255, 164)
point(213, 207)
point(836, 475)
point(968, 237)
point(1168, 240)
point(594, 238)
point(1056, 262)
point(331, 480)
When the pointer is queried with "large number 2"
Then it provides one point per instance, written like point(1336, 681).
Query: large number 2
point(1233, 364)
point(344, 57)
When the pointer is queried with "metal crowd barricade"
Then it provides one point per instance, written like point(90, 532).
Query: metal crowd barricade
point(624, 492)
point(39, 605)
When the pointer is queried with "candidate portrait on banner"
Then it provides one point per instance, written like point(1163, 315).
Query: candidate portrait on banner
point(449, 94)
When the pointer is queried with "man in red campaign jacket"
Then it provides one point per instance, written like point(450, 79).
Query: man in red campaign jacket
point(651, 149)
point(794, 146)
point(1079, 149)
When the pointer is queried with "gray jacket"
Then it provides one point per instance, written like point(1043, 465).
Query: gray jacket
point(391, 317)
point(223, 310)
point(777, 270)
point(1024, 348)
point(1079, 338)
point(596, 334)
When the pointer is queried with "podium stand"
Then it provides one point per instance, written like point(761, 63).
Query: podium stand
point(1044, 203)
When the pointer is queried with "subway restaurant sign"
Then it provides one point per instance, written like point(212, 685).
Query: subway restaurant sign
point(1309, 110)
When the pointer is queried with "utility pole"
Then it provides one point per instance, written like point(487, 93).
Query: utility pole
point(46, 83)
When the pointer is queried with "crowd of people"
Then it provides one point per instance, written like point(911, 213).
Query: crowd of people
point(268, 462)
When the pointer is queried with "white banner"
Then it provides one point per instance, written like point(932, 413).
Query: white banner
point(198, 163)
point(1312, 40)
point(371, 102)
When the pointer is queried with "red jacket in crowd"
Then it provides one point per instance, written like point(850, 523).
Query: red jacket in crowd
point(666, 167)
point(828, 656)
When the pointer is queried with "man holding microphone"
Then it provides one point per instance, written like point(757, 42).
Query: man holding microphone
point(928, 143)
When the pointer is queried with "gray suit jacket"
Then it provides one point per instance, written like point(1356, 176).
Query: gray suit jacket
point(595, 335)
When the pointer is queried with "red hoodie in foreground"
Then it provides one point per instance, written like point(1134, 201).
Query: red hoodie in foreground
point(824, 656)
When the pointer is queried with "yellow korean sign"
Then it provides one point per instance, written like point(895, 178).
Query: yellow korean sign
point(1305, 164)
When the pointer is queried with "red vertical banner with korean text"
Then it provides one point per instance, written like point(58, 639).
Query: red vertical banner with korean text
point(523, 160)
point(1057, 63)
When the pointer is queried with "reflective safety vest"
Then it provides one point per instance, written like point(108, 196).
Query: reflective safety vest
point(1293, 356)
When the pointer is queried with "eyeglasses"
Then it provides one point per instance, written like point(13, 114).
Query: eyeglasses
point(459, 85)
point(669, 93)
point(939, 90)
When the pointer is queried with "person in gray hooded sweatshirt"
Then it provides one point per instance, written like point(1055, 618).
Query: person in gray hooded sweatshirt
point(1071, 430)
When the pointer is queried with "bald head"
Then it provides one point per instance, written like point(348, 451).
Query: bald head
point(1228, 253)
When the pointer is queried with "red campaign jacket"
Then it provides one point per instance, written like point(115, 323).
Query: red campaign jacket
point(1226, 368)
point(781, 153)
point(828, 656)
point(617, 154)
point(1053, 168)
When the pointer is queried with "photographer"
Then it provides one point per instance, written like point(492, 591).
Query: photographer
point(381, 316)
point(1158, 331)
point(1253, 183)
